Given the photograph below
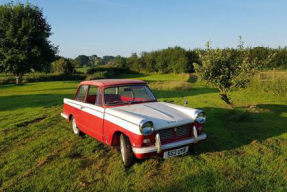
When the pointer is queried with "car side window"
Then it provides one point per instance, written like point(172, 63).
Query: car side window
point(82, 93)
point(99, 98)
point(92, 95)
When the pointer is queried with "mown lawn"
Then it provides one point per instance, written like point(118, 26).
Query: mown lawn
point(246, 149)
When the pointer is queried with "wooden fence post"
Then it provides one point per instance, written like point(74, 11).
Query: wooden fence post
point(273, 74)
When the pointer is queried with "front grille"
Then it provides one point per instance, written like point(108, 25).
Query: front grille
point(175, 133)
point(183, 131)
point(166, 134)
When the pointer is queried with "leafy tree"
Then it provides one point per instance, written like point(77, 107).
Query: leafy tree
point(64, 66)
point(107, 58)
point(227, 68)
point(99, 61)
point(260, 53)
point(149, 61)
point(24, 44)
point(82, 60)
point(92, 60)
point(132, 62)
point(120, 61)
point(93, 57)
point(280, 58)
point(170, 60)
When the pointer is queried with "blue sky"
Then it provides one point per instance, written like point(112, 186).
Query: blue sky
point(120, 27)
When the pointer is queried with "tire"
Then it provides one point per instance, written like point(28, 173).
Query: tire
point(75, 129)
point(126, 151)
point(191, 149)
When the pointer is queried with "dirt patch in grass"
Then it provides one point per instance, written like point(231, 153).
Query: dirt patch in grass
point(256, 109)
point(27, 123)
point(46, 160)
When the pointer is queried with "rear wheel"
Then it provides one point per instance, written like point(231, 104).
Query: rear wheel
point(126, 151)
point(76, 130)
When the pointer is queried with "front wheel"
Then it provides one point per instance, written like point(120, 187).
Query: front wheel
point(126, 151)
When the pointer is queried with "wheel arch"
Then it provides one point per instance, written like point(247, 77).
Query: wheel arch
point(70, 117)
point(116, 138)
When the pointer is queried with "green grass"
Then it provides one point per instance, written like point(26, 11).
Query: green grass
point(246, 149)
point(156, 77)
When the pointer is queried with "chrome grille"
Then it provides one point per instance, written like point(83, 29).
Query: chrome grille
point(166, 134)
point(182, 131)
point(174, 133)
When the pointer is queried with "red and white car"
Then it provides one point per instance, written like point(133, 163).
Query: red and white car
point(125, 113)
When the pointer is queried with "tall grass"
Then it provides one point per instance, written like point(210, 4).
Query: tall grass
point(171, 85)
point(277, 87)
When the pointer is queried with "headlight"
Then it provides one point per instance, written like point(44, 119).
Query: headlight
point(200, 117)
point(147, 128)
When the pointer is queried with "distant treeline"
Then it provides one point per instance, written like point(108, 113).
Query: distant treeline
point(176, 60)
point(94, 60)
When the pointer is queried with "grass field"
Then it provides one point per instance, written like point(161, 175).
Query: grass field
point(246, 149)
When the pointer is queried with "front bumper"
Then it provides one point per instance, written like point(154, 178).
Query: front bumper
point(158, 149)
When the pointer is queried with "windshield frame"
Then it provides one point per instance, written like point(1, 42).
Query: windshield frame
point(126, 103)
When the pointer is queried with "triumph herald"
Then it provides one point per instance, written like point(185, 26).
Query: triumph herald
point(126, 114)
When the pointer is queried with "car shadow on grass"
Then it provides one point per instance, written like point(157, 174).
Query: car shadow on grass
point(229, 129)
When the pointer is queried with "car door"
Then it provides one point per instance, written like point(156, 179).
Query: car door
point(93, 113)
point(78, 103)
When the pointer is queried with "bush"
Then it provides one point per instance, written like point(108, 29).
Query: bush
point(112, 70)
point(98, 75)
point(63, 66)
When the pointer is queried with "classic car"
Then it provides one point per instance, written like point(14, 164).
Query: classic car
point(126, 114)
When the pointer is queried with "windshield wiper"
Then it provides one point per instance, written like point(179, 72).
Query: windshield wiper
point(138, 101)
point(113, 102)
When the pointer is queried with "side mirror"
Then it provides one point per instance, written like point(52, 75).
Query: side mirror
point(185, 102)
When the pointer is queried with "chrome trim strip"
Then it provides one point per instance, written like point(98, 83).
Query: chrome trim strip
point(69, 102)
point(64, 116)
point(142, 150)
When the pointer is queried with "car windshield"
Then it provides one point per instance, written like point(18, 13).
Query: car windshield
point(128, 94)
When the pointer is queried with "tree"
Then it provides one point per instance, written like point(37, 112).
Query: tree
point(228, 68)
point(120, 61)
point(107, 58)
point(64, 66)
point(82, 60)
point(280, 58)
point(24, 44)
point(92, 60)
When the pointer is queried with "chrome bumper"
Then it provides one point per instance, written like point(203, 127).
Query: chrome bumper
point(64, 116)
point(159, 147)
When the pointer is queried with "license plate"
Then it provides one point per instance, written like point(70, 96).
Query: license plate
point(175, 152)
